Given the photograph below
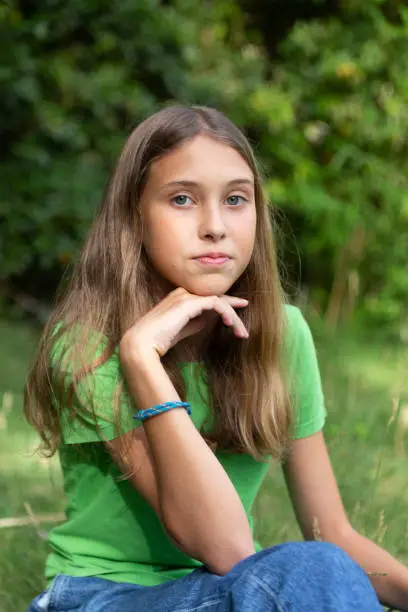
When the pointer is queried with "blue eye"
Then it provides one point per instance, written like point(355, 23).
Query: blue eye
point(235, 200)
point(180, 200)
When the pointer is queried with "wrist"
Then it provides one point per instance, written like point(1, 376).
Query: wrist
point(147, 379)
point(137, 358)
point(148, 413)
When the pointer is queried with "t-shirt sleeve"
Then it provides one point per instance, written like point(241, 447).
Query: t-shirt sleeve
point(303, 377)
point(106, 388)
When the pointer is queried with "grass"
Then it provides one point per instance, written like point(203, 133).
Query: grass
point(365, 390)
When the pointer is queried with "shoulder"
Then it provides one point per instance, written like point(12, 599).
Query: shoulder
point(76, 349)
point(293, 316)
point(88, 388)
point(299, 351)
point(303, 375)
point(297, 332)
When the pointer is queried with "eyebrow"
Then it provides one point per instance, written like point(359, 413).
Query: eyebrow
point(182, 183)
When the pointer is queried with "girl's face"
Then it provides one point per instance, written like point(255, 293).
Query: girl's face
point(198, 210)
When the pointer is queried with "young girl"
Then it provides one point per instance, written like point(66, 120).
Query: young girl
point(169, 375)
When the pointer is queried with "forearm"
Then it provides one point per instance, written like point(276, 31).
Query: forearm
point(143, 477)
point(198, 504)
point(392, 589)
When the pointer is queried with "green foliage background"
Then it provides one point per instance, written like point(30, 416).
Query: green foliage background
point(323, 99)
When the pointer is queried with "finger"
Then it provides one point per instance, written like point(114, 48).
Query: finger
point(239, 328)
point(234, 301)
point(230, 318)
point(194, 306)
point(226, 313)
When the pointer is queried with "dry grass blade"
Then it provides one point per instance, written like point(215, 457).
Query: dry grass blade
point(21, 521)
point(317, 536)
point(7, 405)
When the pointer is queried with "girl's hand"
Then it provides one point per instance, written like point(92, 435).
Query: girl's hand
point(179, 316)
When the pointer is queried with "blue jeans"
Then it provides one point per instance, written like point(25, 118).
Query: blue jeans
point(299, 576)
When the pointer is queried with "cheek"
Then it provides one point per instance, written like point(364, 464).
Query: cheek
point(159, 234)
point(162, 241)
point(245, 234)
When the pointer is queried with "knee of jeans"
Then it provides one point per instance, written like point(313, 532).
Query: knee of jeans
point(323, 556)
point(318, 557)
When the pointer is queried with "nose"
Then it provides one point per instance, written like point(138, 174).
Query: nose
point(212, 224)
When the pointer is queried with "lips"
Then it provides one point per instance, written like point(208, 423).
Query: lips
point(213, 259)
point(213, 256)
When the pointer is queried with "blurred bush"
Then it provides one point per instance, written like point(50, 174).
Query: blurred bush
point(325, 107)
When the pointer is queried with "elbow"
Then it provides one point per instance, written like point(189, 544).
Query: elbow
point(218, 552)
point(219, 544)
point(222, 561)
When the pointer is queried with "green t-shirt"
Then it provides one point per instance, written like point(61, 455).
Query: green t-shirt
point(111, 532)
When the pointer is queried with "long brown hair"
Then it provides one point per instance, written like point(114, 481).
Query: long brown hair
point(112, 285)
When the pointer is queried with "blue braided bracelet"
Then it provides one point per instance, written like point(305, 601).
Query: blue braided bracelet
point(142, 415)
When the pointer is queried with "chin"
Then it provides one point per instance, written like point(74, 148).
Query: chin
point(208, 285)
